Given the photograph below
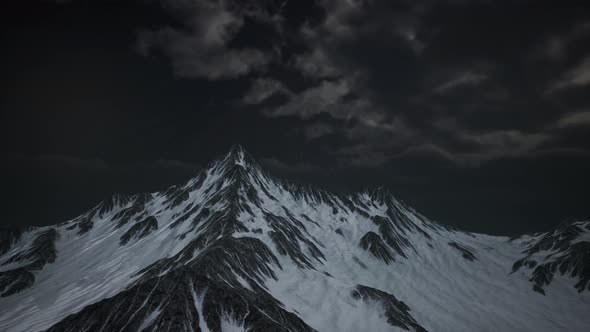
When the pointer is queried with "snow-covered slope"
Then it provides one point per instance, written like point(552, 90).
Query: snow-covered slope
point(235, 249)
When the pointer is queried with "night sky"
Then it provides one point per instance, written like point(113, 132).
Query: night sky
point(476, 113)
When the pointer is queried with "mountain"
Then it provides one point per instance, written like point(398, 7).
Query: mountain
point(235, 249)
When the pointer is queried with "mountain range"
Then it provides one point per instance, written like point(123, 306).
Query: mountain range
point(236, 249)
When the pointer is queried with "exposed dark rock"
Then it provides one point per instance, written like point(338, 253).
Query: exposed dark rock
point(41, 252)
point(8, 237)
point(226, 271)
point(176, 197)
point(392, 237)
point(574, 262)
point(108, 205)
point(372, 242)
point(559, 239)
point(197, 182)
point(137, 209)
point(466, 253)
point(14, 281)
point(214, 267)
point(568, 257)
point(286, 234)
point(85, 225)
point(538, 289)
point(311, 221)
point(125, 215)
point(140, 230)
point(358, 261)
point(353, 204)
point(173, 297)
point(396, 311)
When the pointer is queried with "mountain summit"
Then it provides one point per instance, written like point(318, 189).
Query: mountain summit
point(235, 249)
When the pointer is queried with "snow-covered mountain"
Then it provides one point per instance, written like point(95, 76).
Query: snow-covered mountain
point(235, 249)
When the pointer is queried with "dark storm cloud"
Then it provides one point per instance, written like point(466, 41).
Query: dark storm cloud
point(200, 46)
point(262, 89)
point(576, 119)
point(577, 76)
point(456, 79)
point(486, 100)
point(416, 76)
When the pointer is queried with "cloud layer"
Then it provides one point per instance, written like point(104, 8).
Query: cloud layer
point(373, 81)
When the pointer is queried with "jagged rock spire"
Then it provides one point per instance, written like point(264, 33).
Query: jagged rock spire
point(238, 155)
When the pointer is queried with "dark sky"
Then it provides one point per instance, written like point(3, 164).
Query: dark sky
point(476, 113)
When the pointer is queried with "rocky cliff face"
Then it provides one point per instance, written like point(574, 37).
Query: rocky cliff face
point(236, 249)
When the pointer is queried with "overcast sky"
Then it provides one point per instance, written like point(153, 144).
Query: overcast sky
point(476, 113)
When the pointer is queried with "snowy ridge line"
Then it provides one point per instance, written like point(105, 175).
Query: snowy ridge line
point(236, 249)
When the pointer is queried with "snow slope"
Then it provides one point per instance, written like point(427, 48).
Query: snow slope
point(235, 249)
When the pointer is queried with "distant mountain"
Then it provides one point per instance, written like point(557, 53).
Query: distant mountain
point(235, 249)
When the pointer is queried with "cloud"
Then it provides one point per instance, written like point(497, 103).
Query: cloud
point(349, 26)
point(261, 89)
point(576, 119)
point(488, 146)
point(503, 143)
point(361, 155)
point(467, 78)
point(335, 98)
point(316, 64)
point(317, 130)
point(427, 151)
point(319, 99)
point(577, 76)
point(201, 48)
point(380, 80)
point(555, 46)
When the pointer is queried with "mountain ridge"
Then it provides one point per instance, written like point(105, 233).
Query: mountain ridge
point(236, 248)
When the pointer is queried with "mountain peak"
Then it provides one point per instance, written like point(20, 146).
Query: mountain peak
point(238, 156)
point(237, 246)
point(237, 149)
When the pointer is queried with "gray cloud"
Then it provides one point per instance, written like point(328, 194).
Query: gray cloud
point(576, 119)
point(579, 75)
point(316, 64)
point(327, 97)
point(555, 46)
point(261, 89)
point(466, 78)
point(201, 50)
point(381, 73)
point(317, 130)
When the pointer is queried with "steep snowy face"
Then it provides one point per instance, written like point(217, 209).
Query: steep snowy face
point(236, 249)
point(566, 249)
